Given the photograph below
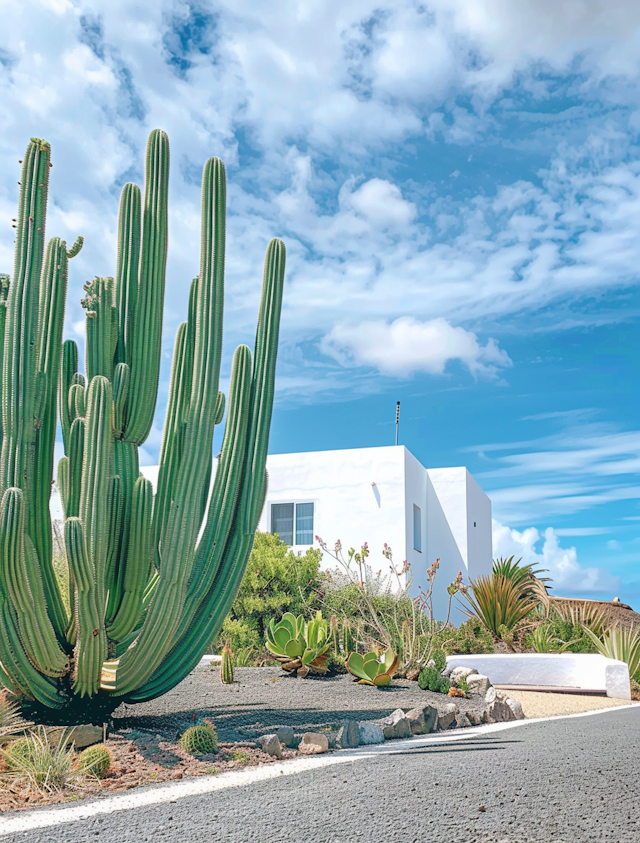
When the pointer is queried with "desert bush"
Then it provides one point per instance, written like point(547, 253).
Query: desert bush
point(469, 638)
point(499, 601)
point(41, 763)
point(276, 581)
point(431, 679)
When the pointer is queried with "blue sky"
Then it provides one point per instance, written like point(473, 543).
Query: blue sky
point(458, 185)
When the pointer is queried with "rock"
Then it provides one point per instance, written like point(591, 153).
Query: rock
point(348, 734)
point(370, 732)
point(83, 736)
point(478, 684)
point(475, 718)
point(447, 717)
point(490, 696)
point(396, 725)
point(423, 720)
point(462, 720)
point(313, 743)
point(458, 672)
point(286, 736)
point(271, 745)
point(499, 712)
point(516, 708)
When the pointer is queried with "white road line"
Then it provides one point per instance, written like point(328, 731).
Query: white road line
point(157, 794)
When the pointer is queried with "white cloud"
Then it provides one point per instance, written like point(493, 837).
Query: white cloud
point(568, 576)
point(406, 346)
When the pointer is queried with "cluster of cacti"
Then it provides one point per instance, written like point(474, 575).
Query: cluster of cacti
point(152, 576)
point(300, 646)
point(95, 760)
point(226, 666)
point(373, 669)
point(200, 740)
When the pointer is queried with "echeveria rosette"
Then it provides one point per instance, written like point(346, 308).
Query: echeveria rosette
point(372, 669)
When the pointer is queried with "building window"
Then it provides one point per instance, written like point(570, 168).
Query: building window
point(417, 528)
point(290, 520)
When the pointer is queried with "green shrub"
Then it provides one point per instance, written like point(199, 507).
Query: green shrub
point(622, 644)
point(431, 679)
point(276, 581)
point(44, 765)
point(200, 740)
point(557, 635)
point(95, 760)
point(469, 638)
point(463, 685)
point(439, 660)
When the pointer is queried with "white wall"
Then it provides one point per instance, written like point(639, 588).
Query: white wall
point(347, 504)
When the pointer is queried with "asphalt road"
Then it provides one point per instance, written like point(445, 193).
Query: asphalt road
point(567, 781)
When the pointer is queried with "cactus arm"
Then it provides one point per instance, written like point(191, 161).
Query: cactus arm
point(63, 483)
point(52, 303)
point(219, 410)
point(128, 268)
point(114, 524)
point(147, 329)
point(179, 536)
point(68, 369)
point(76, 456)
point(125, 465)
point(91, 642)
point(19, 359)
point(102, 329)
point(24, 588)
point(138, 562)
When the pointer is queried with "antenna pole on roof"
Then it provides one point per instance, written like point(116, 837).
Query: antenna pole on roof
point(397, 420)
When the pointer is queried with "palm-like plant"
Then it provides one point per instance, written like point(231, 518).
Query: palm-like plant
point(499, 601)
point(525, 576)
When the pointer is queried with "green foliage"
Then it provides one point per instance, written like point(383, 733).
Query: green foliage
point(41, 764)
point(300, 646)
point(619, 643)
point(499, 601)
point(200, 740)
point(372, 669)
point(95, 760)
point(439, 659)
point(431, 679)
point(11, 722)
point(276, 581)
point(148, 579)
point(470, 638)
point(463, 685)
point(226, 666)
point(557, 635)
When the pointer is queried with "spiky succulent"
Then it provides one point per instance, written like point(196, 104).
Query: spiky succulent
point(95, 760)
point(200, 740)
point(300, 646)
point(151, 576)
point(372, 669)
point(226, 666)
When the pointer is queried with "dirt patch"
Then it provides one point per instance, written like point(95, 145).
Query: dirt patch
point(542, 704)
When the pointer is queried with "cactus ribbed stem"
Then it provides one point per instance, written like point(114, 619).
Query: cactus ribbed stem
point(226, 666)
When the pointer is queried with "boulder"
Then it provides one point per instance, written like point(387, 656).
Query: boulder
point(462, 720)
point(348, 734)
point(423, 720)
point(478, 684)
point(286, 736)
point(396, 725)
point(271, 745)
point(458, 672)
point(490, 696)
point(475, 718)
point(499, 712)
point(83, 736)
point(516, 708)
point(370, 732)
point(313, 743)
point(447, 717)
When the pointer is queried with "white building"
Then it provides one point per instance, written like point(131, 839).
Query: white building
point(383, 495)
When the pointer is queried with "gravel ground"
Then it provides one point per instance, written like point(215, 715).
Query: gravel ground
point(264, 697)
point(538, 704)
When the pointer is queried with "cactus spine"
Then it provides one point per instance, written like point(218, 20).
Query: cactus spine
point(226, 666)
point(151, 576)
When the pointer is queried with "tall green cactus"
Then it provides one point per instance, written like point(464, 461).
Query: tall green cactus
point(151, 576)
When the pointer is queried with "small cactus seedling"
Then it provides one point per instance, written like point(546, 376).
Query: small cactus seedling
point(372, 669)
point(200, 740)
point(226, 666)
point(95, 760)
point(301, 647)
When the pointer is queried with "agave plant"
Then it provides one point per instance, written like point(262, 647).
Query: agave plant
point(300, 646)
point(524, 576)
point(372, 669)
point(619, 643)
point(498, 601)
